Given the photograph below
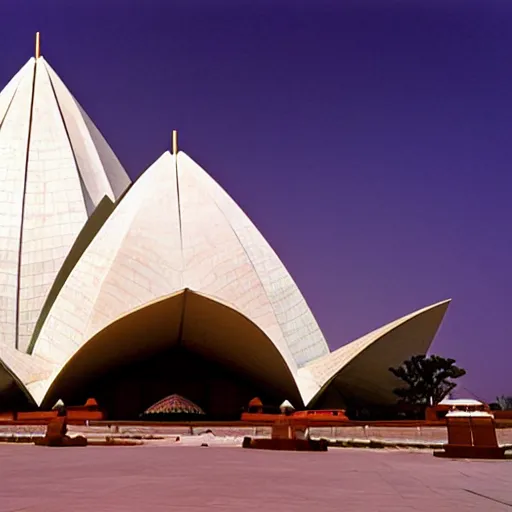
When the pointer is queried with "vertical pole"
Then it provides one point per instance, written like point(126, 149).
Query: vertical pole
point(174, 142)
point(38, 45)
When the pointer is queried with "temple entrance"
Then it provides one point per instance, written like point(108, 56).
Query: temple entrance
point(127, 391)
point(187, 344)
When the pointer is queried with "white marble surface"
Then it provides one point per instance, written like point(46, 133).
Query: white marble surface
point(176, 229)
point(378, 350)
point(52, 176)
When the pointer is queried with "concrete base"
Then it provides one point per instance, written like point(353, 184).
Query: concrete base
point(64, 441)
point(471, 452)
point(297, 445)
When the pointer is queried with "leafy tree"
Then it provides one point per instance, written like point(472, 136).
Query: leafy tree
point(428, 379)
point(505, 402)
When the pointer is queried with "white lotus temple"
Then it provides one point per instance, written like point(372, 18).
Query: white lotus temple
point(130, 292)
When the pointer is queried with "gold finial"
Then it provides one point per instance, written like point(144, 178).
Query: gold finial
point(174, 142)
point(38, 45)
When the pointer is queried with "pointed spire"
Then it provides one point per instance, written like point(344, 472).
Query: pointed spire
point(175, 142)
point(38, 45)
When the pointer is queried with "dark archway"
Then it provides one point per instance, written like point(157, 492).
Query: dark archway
point(13, 396)
point(126, 391)
point(188, 344)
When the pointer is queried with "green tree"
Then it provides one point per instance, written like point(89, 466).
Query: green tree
point(429, 379)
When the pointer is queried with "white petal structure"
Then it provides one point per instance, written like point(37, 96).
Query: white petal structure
point(91, 282)
point(17, 372)
point(55, 168)
point(177, 230)
point(361, 368)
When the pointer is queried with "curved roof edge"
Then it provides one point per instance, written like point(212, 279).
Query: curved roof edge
point(24, 370)
point(40, 388)
point(318, 375)
point(302, 334)
point(157, 241)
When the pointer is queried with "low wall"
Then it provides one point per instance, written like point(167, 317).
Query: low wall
point(413, 435)
point(502, 415)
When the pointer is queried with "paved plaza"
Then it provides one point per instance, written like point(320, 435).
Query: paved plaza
point(167, 478)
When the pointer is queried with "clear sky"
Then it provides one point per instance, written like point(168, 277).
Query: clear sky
point(369, 141)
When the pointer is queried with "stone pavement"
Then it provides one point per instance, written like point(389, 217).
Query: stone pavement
point(181, 478)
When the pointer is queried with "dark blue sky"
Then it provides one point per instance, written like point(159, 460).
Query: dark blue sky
point(367, 140)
